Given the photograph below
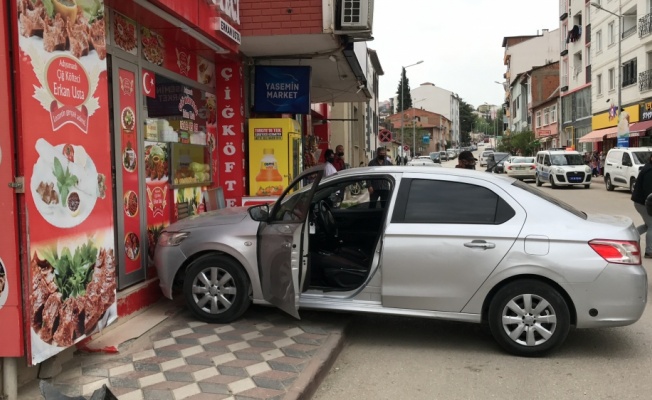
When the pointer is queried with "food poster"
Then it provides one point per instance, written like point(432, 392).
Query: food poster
point(188, 202)
point(159, 195)
point(70, 280)
point(12, 341)
point(269, 155)
point(129, 151)
point(125, 33)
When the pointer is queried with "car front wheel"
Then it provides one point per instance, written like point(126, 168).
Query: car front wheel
point(539, 183)
point(216, 289)
point(529, 318)
point(608, 184)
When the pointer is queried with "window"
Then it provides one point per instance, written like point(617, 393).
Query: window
point(588, 56)
point(567, 108)
point(546, 116)
point(598, 84)
point(612, 79)
point(538, 119)
point(629, 72)
point(598, 41)
point(627, 160)
point(443, 202)
point(611, 31)
point(583, 103)
point(553, 114)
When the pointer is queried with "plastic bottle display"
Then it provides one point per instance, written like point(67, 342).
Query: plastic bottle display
point(268, 177)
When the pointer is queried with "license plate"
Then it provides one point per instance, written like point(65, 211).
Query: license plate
point(575, 179)
point(519, 168)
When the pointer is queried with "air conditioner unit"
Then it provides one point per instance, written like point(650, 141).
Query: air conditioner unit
point(357, 15)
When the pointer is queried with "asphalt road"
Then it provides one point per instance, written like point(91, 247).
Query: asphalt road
point(411, 358)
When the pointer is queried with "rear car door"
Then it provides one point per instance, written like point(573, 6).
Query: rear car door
point(627, 169)
point(281, 243)
point(446, 236)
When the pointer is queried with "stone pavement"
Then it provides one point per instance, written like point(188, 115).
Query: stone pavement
point(266, 354)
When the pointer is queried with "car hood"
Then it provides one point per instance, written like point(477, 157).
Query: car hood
point(225, 216)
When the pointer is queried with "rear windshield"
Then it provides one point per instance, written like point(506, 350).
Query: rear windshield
point(551, 199)
point(486, 153)
point(566, 159)
point(519, 160)
point(641, 157)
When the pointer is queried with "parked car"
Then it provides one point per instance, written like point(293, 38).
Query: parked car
point(483, 248)
point(452, 154)
point(520, 167)
point(495, 161)
point(443, 155)
point(483, 158)
point(423, 161)
point(622, 166)
point(435, 157)
point(562, 168)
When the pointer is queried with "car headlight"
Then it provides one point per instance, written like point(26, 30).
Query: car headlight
point(559, 171)
point(587, 170)
point(172, 238)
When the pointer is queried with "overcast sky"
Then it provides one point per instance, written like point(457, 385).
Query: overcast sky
point(459, 41)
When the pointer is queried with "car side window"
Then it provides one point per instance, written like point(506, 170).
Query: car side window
point(627, 160)
point(443, 202)
point(546, 160)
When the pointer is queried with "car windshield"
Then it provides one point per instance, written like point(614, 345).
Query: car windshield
point(641, 157)
point(551, 199)
point(500, 156)
point(567, 159)
point(486, 153)
point(521, 160)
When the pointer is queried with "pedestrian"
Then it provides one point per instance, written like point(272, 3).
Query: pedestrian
point(602, 158)
point(404, 160)
point(642, 189)
point(398, 159)
point(329, 156)
point(379, 188)
point(338, 163)
point(594, 167)
point(466, 160)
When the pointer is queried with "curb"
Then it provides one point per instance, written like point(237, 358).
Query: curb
point(312, 376)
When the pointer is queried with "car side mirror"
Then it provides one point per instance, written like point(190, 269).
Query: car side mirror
point(547, 164)
point(259, 213)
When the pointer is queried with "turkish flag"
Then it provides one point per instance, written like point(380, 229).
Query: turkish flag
point(149, 83)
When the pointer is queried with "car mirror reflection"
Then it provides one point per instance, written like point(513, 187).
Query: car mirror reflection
point(259, 213)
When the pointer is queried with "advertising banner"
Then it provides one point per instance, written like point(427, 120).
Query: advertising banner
point(11, 344)
point(623, 129)
point(159, 195)
point(70, 281)
point(282, 89)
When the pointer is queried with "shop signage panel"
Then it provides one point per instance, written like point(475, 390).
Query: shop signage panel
point(282, 89)
point(11, 344)
point(130, 188)
point(159, 195)
point(223, 26)
point(646, 111)
point(69, 276)
point(228, 153)
point(180, 60)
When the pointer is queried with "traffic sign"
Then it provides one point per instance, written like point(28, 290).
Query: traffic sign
point(384, 136)
point(406, 147)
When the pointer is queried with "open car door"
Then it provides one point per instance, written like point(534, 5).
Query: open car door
point(281, 265)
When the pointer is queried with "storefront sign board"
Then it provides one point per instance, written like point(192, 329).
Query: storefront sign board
point(282, 89)
point(69, 276)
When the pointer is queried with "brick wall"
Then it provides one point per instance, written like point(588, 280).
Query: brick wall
point(290, 17)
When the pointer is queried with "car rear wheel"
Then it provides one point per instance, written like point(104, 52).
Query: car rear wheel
point(608, 184)
point(632, 183)
point(539, 183)
point(216, 289)
point(529, 318)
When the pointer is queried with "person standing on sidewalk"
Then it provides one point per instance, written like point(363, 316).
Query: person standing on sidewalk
point(338, 163)
point(642, 189)
point(329, 169)
point(466, 160)
point(379, 188)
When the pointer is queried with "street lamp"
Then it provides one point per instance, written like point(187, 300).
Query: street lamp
point(620, 38)
point(403, 90)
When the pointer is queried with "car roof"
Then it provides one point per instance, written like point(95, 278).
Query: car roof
point(389, 169)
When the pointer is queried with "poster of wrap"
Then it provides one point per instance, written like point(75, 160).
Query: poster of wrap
point(70, 282)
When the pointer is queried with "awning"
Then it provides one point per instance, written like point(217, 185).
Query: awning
point(596, 136)
point(612, 135)
point(639, 128)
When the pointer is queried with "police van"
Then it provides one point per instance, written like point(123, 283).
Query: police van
point(560, 167)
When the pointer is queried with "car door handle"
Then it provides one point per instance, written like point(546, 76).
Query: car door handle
point(479, 244)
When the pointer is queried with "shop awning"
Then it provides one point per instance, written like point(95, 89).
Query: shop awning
point(614, 134)
point(640, 128)
point(596, 136)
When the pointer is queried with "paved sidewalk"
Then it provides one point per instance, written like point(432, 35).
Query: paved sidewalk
point(264, 355)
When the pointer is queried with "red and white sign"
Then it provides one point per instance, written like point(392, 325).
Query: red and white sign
point(64, 121)
point(149, 83)
point(384, 136)
point(406, 147)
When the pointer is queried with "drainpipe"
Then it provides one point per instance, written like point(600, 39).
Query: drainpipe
point(9, 379)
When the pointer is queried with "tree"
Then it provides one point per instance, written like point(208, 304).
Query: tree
point(404, 86)
point(467, 120)
point(519, 143)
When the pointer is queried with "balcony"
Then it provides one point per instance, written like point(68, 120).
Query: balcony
point(587, 34)
point(645, 80)
point(564, 83)
point(645, 25)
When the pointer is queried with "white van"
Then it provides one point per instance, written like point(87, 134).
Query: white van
point(484, 156)
point(562, 168)
point(621, 166)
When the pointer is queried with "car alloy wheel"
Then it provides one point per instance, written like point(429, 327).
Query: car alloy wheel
point(529, 318)
point(216, 289)
point(608, 184)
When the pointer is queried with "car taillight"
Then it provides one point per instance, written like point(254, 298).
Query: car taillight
point(533, 167)
point(509, 167)
point(617, 251)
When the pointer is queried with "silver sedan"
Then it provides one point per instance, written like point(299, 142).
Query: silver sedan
point(452, 244)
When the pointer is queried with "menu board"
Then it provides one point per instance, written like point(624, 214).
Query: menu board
point(130, 187)
point(63, 94)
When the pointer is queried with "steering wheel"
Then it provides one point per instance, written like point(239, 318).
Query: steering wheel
point(326, 218)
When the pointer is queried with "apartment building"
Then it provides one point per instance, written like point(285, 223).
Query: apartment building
point(441, 101)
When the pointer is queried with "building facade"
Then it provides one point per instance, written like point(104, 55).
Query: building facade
point(441, 101)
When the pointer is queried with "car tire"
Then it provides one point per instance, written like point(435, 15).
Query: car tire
point(529, 331)
point(552, 182)
point(632, 183)
point(539, 183)
point(608, 184)
point(229, 295)
point(587, 186)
